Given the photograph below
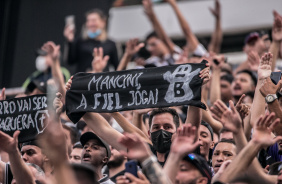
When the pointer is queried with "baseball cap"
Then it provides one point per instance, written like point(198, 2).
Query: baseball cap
point(254, 36)
point(275, 168)
point(32, 143)
point(208, 127)
point(41, 85)
point(200, 163)
point(90, 136)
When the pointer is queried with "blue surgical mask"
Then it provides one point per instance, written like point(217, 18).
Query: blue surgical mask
point(95, 34)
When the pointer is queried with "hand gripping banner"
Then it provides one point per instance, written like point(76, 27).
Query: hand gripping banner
point(135, 89)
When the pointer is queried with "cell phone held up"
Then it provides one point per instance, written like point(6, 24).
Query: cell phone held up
point(131, 167)
point(275, 77)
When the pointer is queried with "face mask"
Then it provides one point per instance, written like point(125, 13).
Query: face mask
point(161, 140)
point(95, 34)
point(40, 63)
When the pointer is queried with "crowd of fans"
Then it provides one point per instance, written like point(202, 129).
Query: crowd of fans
point(236, 140)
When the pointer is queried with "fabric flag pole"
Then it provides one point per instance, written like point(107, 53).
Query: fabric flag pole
point(27, 114)
point(135, 89)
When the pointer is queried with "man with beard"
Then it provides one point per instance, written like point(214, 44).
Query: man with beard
point(97, 153)
point(116, 164)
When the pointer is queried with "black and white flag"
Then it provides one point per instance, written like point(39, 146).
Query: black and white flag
point(135, 89)
point(27, 114)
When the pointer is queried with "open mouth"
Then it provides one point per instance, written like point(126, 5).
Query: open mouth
point(217, 166)
point(86, 157)
point(237, 88)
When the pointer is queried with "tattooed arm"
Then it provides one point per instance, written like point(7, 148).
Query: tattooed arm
point(139, 150)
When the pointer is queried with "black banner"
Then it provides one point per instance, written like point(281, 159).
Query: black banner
point(25, 114)
point(135, 89)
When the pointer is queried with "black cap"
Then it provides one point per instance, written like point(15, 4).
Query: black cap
point(90, 136)
point(41, 85)
point(32, 143)
point(200, 163)
point(275, 168)
point(208, 127)
point(87, 168)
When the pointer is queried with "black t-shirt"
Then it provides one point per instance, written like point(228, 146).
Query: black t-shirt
point(8, 174)
point(155, 153)
point(113, 178)
point(81, 53)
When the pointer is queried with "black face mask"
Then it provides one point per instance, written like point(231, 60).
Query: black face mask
point(161, 140)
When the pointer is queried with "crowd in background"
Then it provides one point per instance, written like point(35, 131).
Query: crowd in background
point(238, 139)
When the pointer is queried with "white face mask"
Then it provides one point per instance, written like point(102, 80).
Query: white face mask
point(40, 63)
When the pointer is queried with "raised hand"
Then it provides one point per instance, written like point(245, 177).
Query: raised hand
point(132, 46)
point(58, 104)
point(243, 109)
point(137, 149)
point(69, 33)
point(53, 141)
point(53, 50)
point(148, 7)
point(263, 130)
point(129, 177)
point(205, 74)
point(68, 84)
point(277, 27)
point(7, 143)
point(216, 10)
point(219, 58)
point(3, 94)
point(183, 143)
point(253, 60)
point(230, 118)
point(99, 61)
point(264, 69)
point(269, 87)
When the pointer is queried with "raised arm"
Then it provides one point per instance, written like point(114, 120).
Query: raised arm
point(264, 71)
point(53, 52)
point(190, 36)
point(183, 144)
point(269, 88)
point(217, 62)
point(216, 38)
point(20, 170)
point(132, 47)
point(147, 4)
point(100, 126)
point(128, 127)
point(139, 150)
point(261, 138)
point(54, 145)
point(276, 37)
point(194, 114)
point(138, 121)
point(99, 61)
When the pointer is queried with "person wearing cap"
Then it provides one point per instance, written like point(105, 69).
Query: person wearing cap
point(75, 156)
point(206, 140)
point(97, 153)
point(258, 42)
point(193, 169)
